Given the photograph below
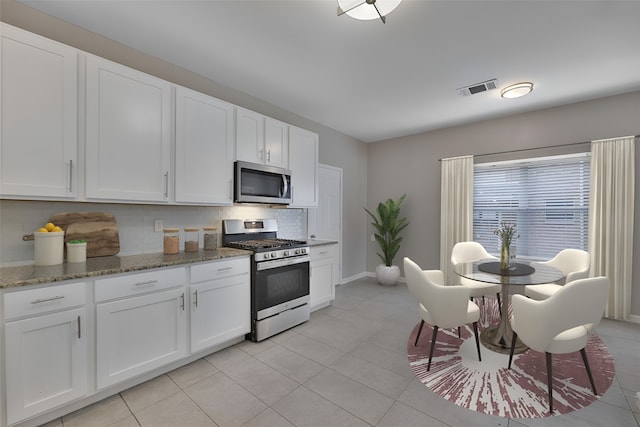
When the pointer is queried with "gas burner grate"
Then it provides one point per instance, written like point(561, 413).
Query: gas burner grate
point(265, 243)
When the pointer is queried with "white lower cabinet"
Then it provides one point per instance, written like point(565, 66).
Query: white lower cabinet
point(45, 349)
point(143, 322)
point(323, 275)
point(144, 328)
point(220, 302)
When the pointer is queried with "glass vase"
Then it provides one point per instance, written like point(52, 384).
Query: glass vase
point(505, 258)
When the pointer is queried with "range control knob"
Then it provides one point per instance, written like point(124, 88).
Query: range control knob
point(303, 250)
point(274, 254)
point(285, 253)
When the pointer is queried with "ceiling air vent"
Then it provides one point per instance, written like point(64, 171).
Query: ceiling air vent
point(478, 87)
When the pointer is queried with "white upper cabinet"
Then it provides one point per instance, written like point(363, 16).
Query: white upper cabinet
point(128, 127)
point(204, 149)
point(303, 162)
point(276, 143)
point(39, 116)
point(260, 139)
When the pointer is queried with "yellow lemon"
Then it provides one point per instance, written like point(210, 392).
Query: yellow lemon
point(56, 228)
point(42, 230)
point(49, 226)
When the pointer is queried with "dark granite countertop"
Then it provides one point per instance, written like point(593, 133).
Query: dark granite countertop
point(317, 242)
point(24, 275)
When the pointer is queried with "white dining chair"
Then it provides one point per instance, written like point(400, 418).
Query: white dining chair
point(469, 252)
point(561, 323)
point(440, 306)
point(574, 263)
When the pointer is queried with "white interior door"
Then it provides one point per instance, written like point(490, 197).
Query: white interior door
point(325, 221)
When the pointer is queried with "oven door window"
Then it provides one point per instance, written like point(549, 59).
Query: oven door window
point(281, 284)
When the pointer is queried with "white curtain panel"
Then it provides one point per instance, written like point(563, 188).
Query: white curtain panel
point(456, 209)
point(611, 219)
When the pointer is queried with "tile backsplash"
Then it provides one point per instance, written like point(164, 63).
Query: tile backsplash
point(135, 223)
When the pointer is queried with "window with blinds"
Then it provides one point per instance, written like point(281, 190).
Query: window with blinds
point(547, 198)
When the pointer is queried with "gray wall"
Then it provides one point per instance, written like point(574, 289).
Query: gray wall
point(336, 149)
point(410, 165)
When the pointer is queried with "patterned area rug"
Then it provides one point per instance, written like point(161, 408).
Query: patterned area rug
point(491, 388)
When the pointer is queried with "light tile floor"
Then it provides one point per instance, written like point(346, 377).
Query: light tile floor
point(347, 366)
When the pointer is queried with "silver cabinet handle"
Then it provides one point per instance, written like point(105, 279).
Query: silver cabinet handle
point(146, 283)
point(323, 252)
point(166, 184)
point(269, 156)
point(195, 298)
point(79, 328)
point(39, 301)
point(231, 190)
point(182, 301)
point(223, 269)
point(261, 154)
point(70, 176)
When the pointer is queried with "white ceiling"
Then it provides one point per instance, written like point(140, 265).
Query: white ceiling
point(377, 81)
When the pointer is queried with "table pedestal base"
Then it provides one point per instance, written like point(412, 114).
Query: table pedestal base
point(495, 338)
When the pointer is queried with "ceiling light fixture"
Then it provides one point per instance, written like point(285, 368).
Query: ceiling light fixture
point(517, 90)
point(367, 9)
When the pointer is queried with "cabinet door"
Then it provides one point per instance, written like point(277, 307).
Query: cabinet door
point(46, 358)
point(39, 116)
point(303, 162)
point(220, 311)
point(128, 133)
point(204, 149)
point(138, 334)
point(323, 275)
point(249, 136)
point(321, 284)
point(276, 143)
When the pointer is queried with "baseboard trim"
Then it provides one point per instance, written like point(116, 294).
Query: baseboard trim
point(634, 318)
point(346, 280)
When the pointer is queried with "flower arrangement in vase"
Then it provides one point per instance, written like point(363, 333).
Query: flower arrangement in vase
point(507, 234)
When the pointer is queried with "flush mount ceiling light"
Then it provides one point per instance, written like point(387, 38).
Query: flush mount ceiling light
point(367, 9)
point(517, 90)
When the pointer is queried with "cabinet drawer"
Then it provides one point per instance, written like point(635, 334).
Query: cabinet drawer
point(325, 251)
point(219, 269)
point(139, 283)
point(44, 300)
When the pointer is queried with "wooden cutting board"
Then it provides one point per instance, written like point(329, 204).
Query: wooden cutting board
point(99, 229)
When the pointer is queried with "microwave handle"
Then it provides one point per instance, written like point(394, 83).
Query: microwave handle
point(285, 185)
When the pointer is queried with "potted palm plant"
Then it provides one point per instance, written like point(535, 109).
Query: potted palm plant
point(388, 225)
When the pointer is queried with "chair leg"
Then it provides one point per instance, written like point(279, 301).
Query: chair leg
point(419, 330)
point(433, 344)
point(482, 299)
point(499, 304)
point(475, 331)
point(586, 365)
point(459, 332)
point(513, 346)
point(549, 381)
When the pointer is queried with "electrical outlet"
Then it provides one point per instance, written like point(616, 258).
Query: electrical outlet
point(158, 225)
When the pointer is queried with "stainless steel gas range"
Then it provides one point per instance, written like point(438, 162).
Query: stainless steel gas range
point(279, 275)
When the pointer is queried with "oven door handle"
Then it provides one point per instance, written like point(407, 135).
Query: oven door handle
point(266, 265)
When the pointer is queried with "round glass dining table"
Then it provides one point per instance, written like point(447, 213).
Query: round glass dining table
point(498, 337)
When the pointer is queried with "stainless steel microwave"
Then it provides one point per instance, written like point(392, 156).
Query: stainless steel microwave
point(255, 183)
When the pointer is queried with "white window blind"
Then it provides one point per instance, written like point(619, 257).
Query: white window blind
point(547, 198)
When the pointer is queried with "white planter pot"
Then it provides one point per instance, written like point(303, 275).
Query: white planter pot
point(387, 276)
